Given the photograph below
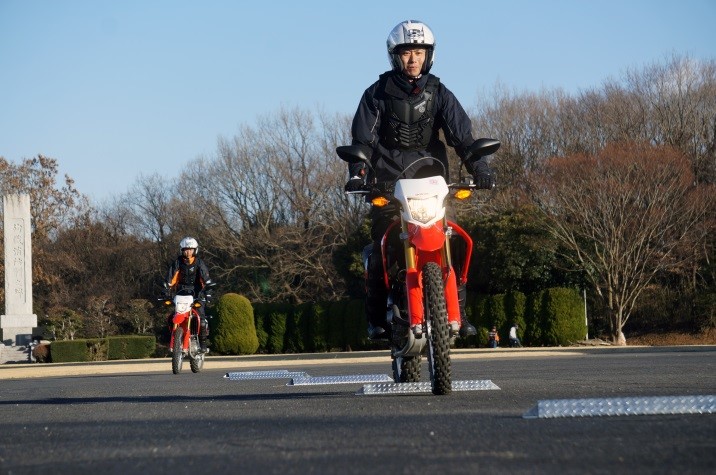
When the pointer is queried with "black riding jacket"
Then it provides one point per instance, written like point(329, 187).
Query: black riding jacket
point(399, 122)
point(185, 275)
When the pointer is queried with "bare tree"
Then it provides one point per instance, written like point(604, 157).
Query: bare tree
point(64, 323)
point(100, 319)
point(678, 99)
point(272, 208)
point(626, 213)
point(137, 314)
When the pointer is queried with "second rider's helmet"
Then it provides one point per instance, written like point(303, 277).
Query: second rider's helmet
point(411, 33)
point(189, 243)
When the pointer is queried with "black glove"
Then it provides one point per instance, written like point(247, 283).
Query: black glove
point(483, 175)
point(356, 183)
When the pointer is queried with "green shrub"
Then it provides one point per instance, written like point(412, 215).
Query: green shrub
point(66, 351)
point(335, 316)
point(482, 318)
point(260, 312)
point(317, 328)
point(130, 347)
point(234, 331)
point(533, 331)
point(355, 325)
point(515, 305)
point(296, 337)
point(563, 316)
point(276, 327)
point(496, 309)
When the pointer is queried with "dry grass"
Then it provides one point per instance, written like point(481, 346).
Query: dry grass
point(707, 337)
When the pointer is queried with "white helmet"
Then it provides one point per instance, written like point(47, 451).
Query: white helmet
point(411, 32)
point(189, 243)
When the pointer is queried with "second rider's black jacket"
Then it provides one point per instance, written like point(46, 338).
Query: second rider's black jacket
point(398, 122)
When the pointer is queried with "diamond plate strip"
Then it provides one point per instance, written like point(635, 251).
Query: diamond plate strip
point(628, 406)
point(354, 378)
point(275, 374)
point(424, 387)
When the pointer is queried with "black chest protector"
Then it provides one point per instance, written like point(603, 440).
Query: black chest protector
point(409, 122)
point(188, 273)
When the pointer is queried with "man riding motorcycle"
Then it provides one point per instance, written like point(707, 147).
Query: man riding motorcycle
point(397, 122)
point(188, 272)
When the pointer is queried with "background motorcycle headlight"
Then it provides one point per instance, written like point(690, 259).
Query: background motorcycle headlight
point(423, 209)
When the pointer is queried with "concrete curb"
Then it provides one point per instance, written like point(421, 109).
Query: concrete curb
point(238, 363)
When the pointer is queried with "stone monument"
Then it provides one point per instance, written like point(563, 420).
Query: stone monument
point(18, 318)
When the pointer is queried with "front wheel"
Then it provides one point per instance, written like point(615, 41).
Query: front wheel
point(196, 358)
point(177, 350)
point(438, 329)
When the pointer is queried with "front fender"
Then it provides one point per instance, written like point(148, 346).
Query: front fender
point(429, 238)
point(180, 318)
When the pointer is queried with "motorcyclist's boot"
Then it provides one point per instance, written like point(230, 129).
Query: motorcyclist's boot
point(203, 337)
point(375, 310)
point(376, 295)
point(466, 328)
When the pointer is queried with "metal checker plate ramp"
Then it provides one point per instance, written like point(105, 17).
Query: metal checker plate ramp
point(354, 378)
point(424, 387)
point(627, 406)
point(276, 374)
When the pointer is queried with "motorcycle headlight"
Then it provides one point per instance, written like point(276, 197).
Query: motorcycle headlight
point(423, 209)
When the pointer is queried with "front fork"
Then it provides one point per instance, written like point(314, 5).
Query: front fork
point(413, 282)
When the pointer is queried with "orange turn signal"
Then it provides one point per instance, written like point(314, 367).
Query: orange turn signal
point(379, 201)
point(463, 194)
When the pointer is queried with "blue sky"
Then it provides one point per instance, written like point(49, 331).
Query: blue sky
point(118, 89)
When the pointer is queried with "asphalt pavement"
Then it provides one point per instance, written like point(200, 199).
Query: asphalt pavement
point(136, 416)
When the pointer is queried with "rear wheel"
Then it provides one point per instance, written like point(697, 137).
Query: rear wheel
point(406, 369)
point(177, 353)
point(438, 329)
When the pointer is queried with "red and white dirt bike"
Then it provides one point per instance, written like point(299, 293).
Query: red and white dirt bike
point(186, 322)
point(422, 307)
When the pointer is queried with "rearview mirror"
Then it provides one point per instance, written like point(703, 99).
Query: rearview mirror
point(484, 147)
point(352, 154)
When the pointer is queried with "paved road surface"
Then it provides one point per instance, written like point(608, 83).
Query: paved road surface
point(137, 417)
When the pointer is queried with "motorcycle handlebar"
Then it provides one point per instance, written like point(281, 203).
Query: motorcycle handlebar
point(373, 189)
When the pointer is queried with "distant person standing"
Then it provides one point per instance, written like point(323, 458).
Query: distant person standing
point(514, 340)
point(493, 338)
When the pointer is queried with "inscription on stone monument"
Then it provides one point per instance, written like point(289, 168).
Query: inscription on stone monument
point(18, 318)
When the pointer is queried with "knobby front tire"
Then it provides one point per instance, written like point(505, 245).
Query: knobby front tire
point(439, 343)
point(177, 353)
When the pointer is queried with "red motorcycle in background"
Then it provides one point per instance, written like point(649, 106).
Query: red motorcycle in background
point(422, 307)
point(184, 341)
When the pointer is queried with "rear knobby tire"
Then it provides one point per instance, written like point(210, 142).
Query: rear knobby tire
point(177, 353)
point(406, 369)
point(439, 343)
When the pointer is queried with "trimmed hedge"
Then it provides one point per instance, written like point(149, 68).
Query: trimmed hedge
point(103, 349)
point(130, 347)
point(355, 326)
point(548, 317)
point(562, 317)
